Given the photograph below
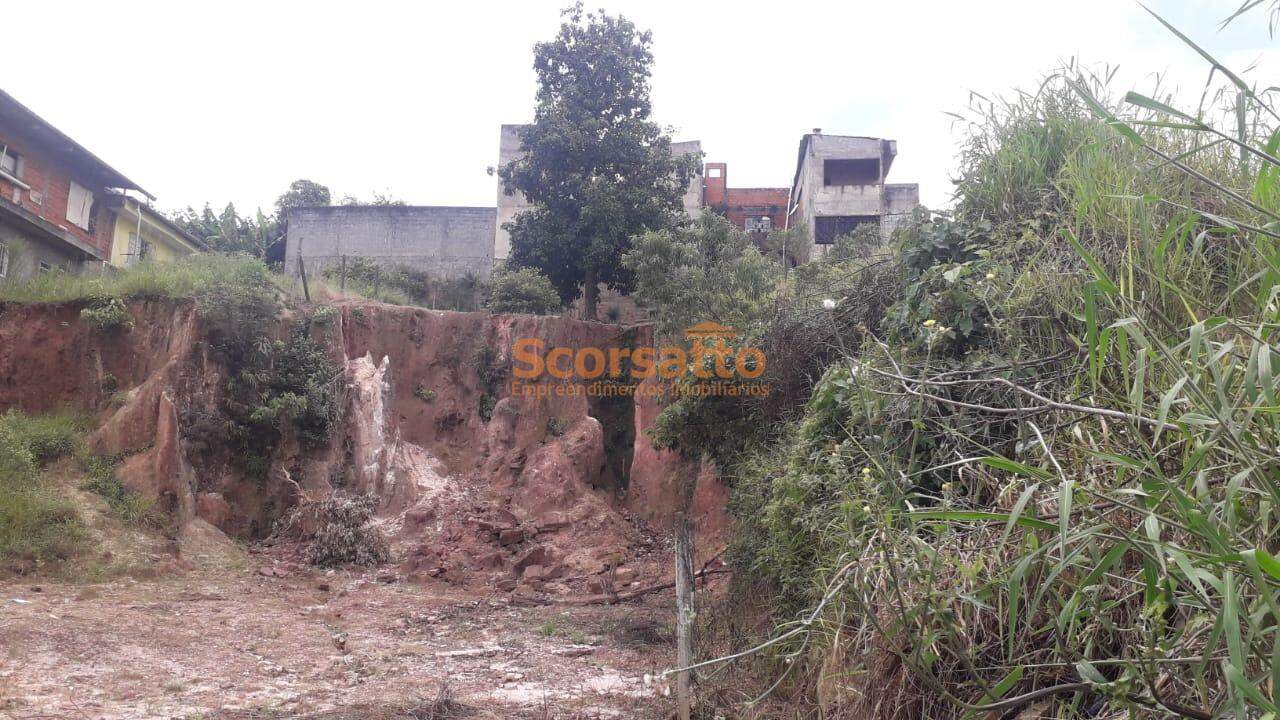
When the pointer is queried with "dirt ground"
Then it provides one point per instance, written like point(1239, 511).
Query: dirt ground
point(230, 644)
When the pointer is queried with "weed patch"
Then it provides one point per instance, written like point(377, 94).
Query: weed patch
point(128, 506)
point(491, 373)
point(37, 527)
point(189, 277)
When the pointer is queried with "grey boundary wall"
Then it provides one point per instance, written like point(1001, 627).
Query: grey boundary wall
point(447, 241)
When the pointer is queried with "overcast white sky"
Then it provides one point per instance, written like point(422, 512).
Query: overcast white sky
point(230, 101)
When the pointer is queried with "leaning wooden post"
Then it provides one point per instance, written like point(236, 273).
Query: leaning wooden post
point(302, 270)
point(684, 610)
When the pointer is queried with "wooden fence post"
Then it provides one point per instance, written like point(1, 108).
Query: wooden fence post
point(684, 611)
point(302, 270)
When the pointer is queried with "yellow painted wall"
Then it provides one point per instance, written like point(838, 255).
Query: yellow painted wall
point(165, 245)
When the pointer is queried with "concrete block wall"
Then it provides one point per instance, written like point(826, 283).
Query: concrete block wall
point(448, 241)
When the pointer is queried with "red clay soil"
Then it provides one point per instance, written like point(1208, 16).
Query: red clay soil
point(476, 486)
point(233, 645)
point(502, 512)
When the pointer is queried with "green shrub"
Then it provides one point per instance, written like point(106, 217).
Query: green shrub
point(461, 292)
point(944, 300)
point(107, 315)
point(425, 394)
point(794, 244)
point(523, 290)
point(397, 284)
point(273, 387)
point(708, 271)
point(864, 240)
point(324, 315)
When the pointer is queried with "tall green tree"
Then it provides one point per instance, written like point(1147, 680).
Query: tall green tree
point(301, 193)
point(228, 231)
point(258, 234)
point(595, 168)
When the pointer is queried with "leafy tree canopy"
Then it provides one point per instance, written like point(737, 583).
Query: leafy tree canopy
point(596, 170)
point(257, 235)
point(708, 271)
point(301, 193)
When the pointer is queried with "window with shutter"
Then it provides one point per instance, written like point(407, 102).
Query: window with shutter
point(79, 203)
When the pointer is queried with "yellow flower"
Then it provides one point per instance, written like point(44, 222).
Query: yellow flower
point(930, 322)
point(866, 471)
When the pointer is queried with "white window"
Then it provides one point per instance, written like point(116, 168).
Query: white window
point(713, 172)
point(79, 205)
point(139, 250)
point(758, 224)
point(9, 163)
point(135, 249)
point(4, 259)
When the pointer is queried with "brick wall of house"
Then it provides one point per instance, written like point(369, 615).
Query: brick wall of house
point(50, 181)
point(738, 204)
point(713, 193)
point(742, 203)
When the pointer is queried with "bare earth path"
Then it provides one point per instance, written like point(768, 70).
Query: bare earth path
point(235, 644)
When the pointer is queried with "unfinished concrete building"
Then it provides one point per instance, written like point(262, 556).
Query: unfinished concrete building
point(840, 185)
point(445, 241)
point(511, 205)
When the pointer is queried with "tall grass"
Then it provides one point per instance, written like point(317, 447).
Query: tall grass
point(37, 526)
point(1074, 511)
point(185, 278)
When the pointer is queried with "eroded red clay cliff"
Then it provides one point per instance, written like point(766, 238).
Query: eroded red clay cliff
point(474, 484)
